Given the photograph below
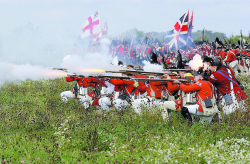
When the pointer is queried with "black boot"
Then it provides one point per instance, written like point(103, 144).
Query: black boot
point(185, 113)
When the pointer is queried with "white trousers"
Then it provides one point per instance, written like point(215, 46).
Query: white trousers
point(228, 109)
point(67, 94)
point(85, 100)
point(138, 104)
point(120, 104)
point(234, 66)
point(193, 110)
point(104, 103)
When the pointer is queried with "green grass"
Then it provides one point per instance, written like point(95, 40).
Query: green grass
point(37, 127)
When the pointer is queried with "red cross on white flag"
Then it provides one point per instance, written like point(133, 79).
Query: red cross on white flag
point(91, 26)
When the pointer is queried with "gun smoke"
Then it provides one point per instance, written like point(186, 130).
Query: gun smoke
point(92, 62)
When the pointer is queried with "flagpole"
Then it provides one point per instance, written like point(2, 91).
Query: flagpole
point(249, 37)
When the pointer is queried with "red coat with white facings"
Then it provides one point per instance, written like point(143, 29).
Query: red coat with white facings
point(231, 57)
point(203, 89)
point(157, 88)
point(222, 82)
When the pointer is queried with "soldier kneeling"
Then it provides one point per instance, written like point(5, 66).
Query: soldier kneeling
point(205, 105)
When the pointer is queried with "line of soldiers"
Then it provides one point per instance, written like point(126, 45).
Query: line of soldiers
point(194, 95)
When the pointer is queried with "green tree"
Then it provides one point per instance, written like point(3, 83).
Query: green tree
point(209, 35)
point(236, 38)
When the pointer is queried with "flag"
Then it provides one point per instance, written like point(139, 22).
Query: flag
point(179, 34)
point(91, 27)
point(190, 27)
point(103, 32)
point(105, 29)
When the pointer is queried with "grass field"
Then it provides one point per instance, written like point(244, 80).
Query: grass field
point(37, 127)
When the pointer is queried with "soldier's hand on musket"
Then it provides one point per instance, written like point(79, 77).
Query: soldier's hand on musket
point(107, 79)
point(176, 81)
point(136, 84)
point(166, 76)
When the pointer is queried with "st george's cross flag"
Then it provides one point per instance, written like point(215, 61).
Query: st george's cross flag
point(91, 27)
point(179, 34)
point(103, 32)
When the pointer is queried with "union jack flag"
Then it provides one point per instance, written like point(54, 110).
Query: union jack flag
point(190, 27)
point(179, 34)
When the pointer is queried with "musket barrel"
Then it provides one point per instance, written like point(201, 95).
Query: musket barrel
point(134, 71)
point(177, 70)
point(118, 77)
point(146, 79)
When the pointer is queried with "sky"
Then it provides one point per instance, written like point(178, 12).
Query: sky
point(38, 35)
point(29, 28)
point(228, 16)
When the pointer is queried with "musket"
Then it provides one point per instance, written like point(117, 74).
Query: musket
point(139, 72)
point(171, 80)
point(244, 57)
point(224, 40)
point(114, 77)
point(62, 69)
point(178, 70)
point(72, 74)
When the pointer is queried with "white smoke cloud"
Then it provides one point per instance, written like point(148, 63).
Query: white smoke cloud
point(14, 73)
point(148, 67)
point(91, 62)
point(196, 62)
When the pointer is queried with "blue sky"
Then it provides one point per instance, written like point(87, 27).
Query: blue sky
point(54, 16)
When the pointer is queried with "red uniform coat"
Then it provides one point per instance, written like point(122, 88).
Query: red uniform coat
point(142, 88)
point(231, 57)
point(123, 85)
point(222, 83)
point(203, 89)
point(223, 54)
point(172, 87)
point(157, 87)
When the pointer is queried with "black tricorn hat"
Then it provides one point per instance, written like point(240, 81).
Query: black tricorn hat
point(207, 59)
point(120, 63)
point(212, 61)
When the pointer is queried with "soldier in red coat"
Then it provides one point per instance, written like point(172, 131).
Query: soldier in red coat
point(203, 90)
point(122, 87)
point(232, 60)
point(227, 86)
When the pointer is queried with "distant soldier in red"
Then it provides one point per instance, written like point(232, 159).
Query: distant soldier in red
point(232, 60)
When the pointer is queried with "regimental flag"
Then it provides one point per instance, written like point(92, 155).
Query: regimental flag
point(190, 27)
point(179, 34)
point(105, 29)
point(103, 32)
point(91, 27)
